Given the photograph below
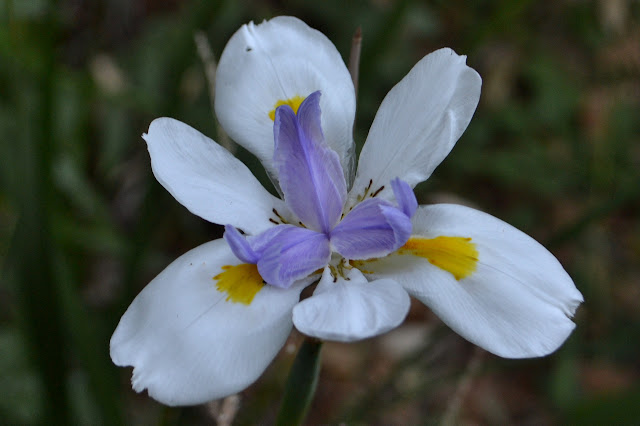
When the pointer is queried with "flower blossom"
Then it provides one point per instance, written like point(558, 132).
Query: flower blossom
point(212, 321)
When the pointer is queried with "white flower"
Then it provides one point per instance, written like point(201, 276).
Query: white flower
point(208, 325)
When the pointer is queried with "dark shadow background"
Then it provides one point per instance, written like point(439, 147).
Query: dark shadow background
point(553, 149)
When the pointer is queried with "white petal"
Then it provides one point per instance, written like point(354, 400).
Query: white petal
point(351, 309)
point(187, 343)
point(418, 123)
point(205, 178)
point(278, 60)
point(517, 303)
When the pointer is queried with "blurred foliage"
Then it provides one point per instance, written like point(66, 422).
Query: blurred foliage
point(553, 149)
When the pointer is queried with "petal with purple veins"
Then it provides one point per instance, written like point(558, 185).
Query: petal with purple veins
point(404, 196)
point(239, 245)
point(311, 176)
point(374, 228)
point(292, 254)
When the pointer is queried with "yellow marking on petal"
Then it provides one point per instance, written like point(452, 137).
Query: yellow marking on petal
point(294, 103)
point(456, 255)
point(240, 282)
point(359, 264)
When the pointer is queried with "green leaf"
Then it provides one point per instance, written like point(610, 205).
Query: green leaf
point(301, 384)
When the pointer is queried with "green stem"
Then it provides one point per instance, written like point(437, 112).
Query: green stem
point(301, 384)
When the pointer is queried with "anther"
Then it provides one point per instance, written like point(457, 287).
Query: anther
point(377, 192)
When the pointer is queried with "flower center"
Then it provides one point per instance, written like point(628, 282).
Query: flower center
point(314, 189)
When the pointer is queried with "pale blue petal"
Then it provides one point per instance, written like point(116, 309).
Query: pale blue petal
point(404, 196)
point(311, 176)
point(260, 242)
point(374, 228)
point(292, 254)
point(239, 245)
point(400, 223)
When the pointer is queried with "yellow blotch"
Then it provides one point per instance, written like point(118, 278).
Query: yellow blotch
point(294, 103)
point(360, 264)
point(456, 255)
point(240, 282)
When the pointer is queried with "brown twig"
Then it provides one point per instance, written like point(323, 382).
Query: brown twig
point(452, 413)
point(224, 410)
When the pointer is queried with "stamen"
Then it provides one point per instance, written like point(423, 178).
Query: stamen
point(343, 266)
point(365, 193)
point(377, 192)
point(282, 219)
point(334, 273)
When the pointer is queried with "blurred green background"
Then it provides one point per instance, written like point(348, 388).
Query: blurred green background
point(553, 149)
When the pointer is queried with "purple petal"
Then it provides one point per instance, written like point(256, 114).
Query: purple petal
point(310, 173)
point(293, 253)
point(309, 119)
point(404, 196)
point(261, 241)
point(374, 228)
point(239, 245)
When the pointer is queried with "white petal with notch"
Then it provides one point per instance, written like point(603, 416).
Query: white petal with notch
point(516, 300)
point(187, 343)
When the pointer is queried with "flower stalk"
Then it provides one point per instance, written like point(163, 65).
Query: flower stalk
point(301, 384)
